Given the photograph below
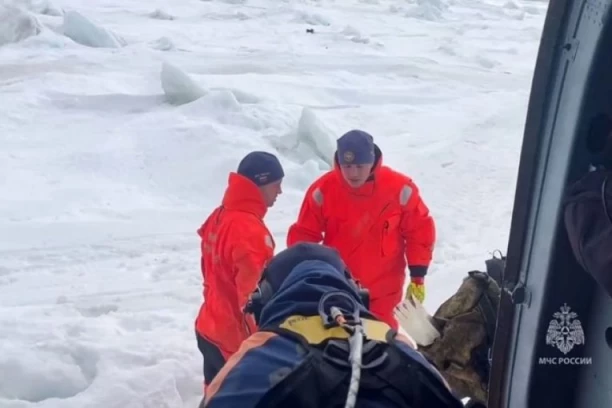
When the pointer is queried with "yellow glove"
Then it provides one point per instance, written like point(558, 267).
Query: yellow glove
point(416, 288)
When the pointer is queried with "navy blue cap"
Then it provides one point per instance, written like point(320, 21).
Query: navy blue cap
point(261, 168)
point(356, 147)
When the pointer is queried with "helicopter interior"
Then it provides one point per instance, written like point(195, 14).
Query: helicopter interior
point(572, 84)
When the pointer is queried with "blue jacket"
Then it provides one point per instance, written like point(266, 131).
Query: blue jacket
point(250, 373)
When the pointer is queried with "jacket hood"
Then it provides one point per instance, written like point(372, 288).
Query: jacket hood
point(302, 290)
point(368, 187)
point(242, 194)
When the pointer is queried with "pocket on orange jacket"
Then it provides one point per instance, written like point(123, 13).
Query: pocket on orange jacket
point(391, 237)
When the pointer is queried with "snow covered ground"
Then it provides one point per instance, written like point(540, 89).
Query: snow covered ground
point(119, 122)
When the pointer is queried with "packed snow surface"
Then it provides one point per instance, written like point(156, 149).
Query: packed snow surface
point(121, 120)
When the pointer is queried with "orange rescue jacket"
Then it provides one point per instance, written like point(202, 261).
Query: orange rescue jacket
point(236, 246)
point(377, 228)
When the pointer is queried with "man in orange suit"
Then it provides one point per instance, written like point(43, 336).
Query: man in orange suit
point(377, 220)
point(236, 246)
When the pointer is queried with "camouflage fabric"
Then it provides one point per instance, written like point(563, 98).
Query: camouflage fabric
point(466, 322)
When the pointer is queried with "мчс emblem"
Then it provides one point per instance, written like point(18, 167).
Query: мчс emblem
point(565, 331)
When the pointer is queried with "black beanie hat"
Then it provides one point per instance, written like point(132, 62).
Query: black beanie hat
point(356, 147)
point(283, 263)
point(261, 168)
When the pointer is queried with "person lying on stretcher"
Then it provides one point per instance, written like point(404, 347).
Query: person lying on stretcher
point(318, 345)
